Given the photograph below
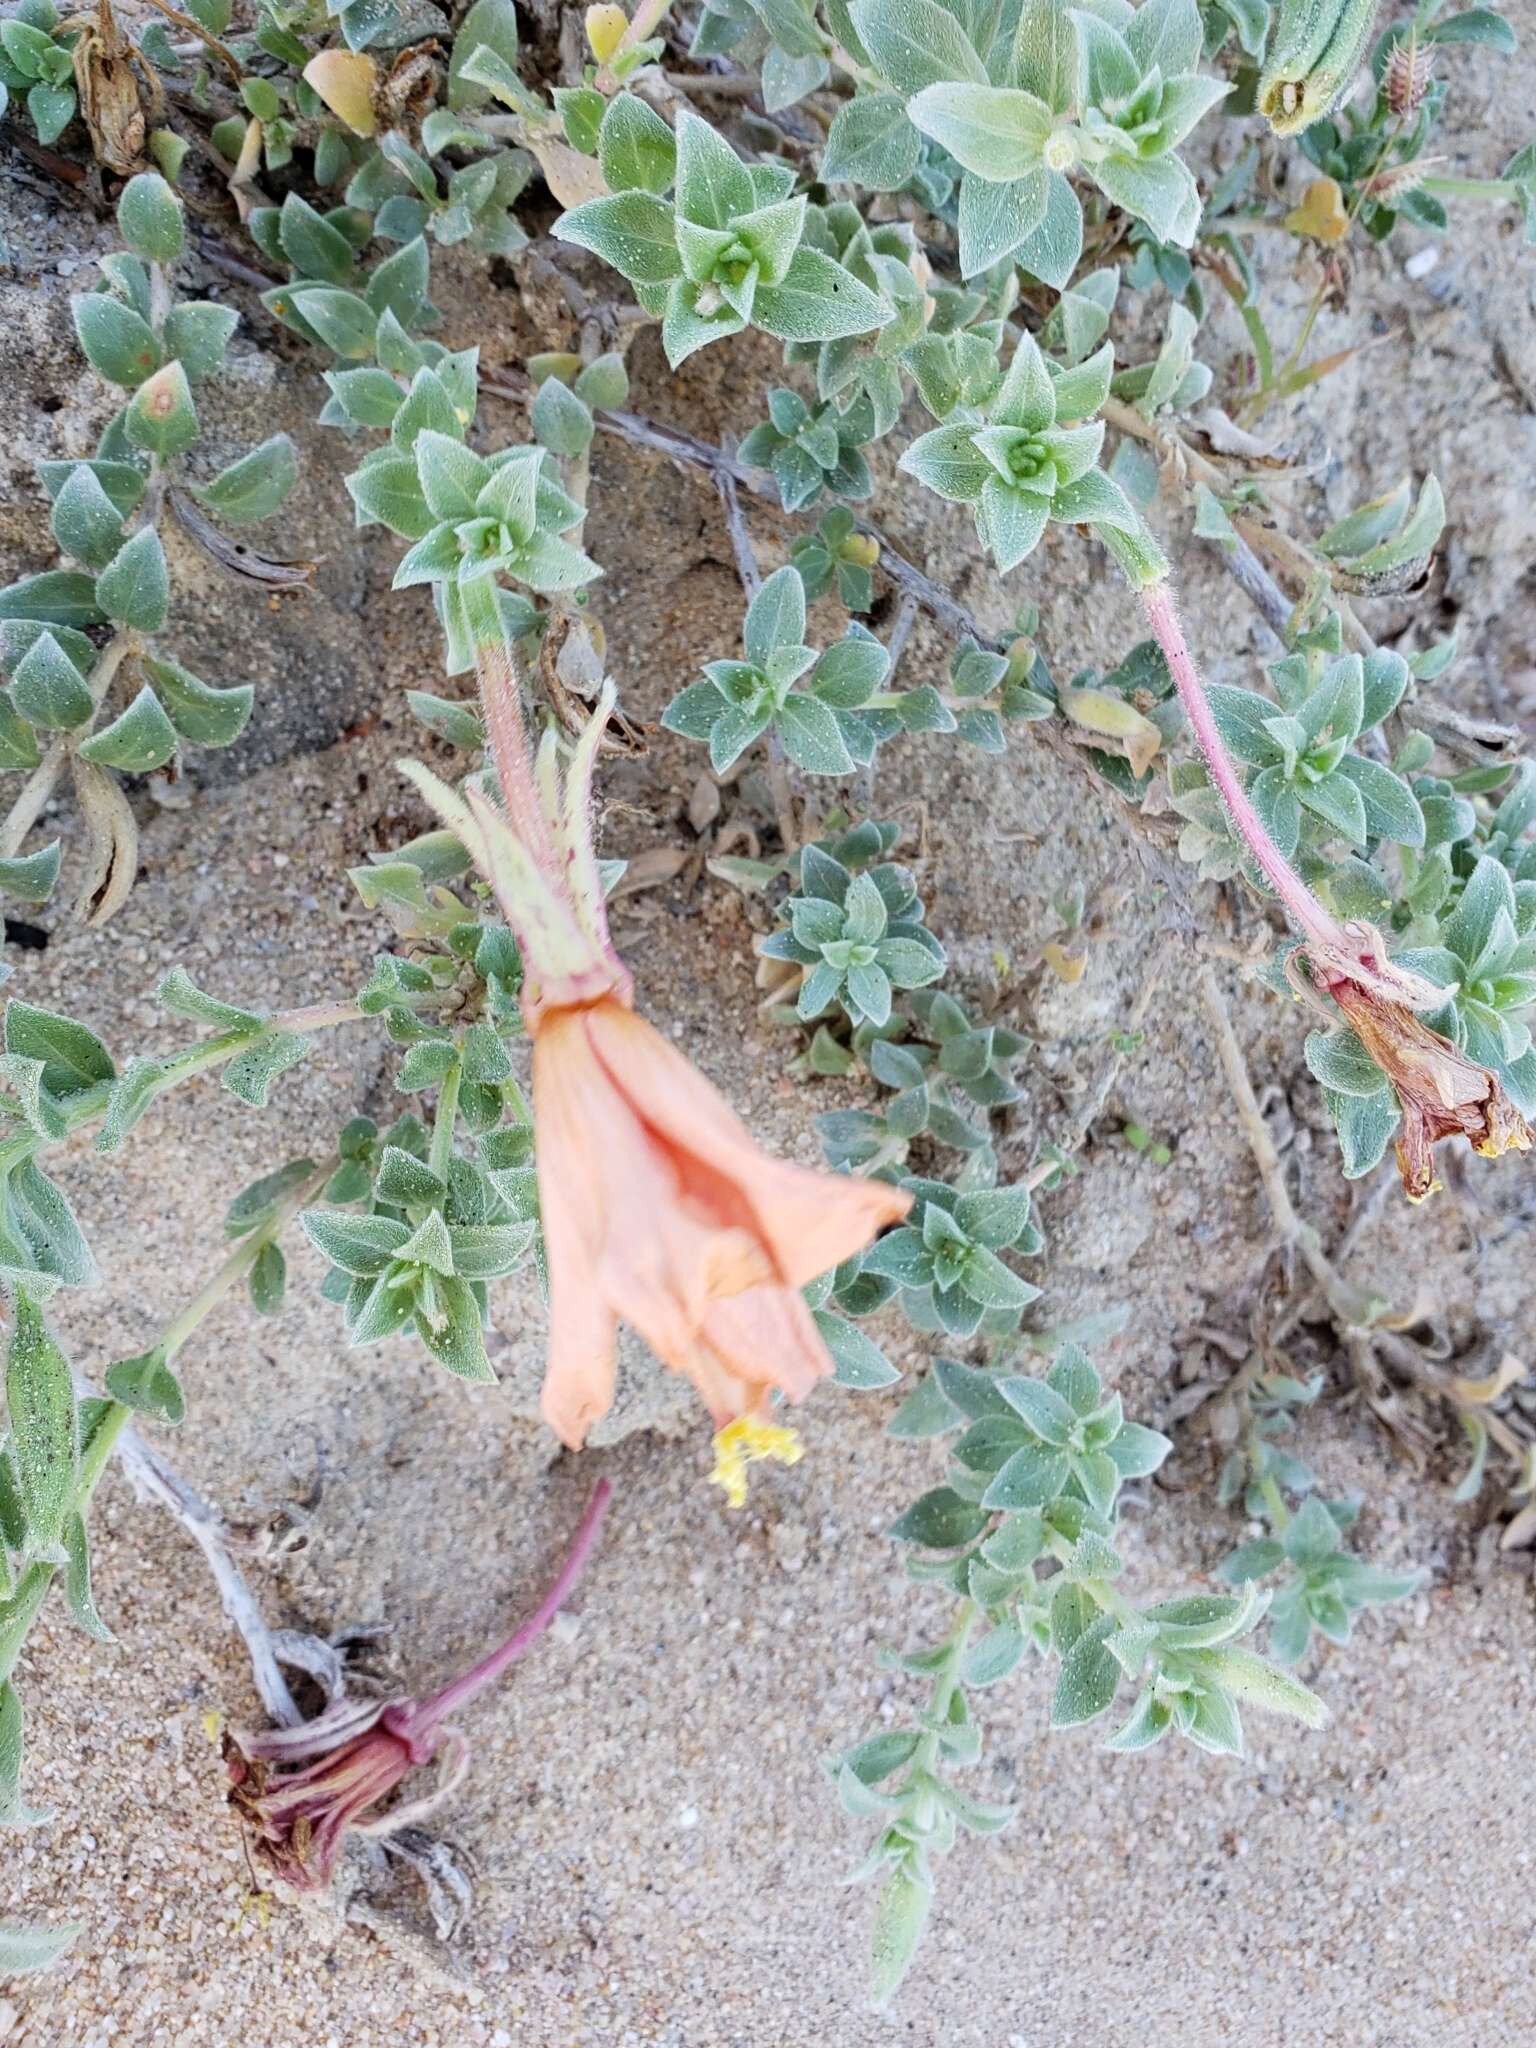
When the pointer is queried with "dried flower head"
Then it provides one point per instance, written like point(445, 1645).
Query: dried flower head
point(301, 1791)
point(1442, 1093)
point(1407, 77)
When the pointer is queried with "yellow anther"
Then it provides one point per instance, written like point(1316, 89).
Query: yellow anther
point(745, 1442)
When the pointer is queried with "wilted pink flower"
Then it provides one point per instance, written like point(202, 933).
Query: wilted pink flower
point(301, 1790)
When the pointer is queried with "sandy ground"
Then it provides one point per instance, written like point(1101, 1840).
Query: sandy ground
point(655, 1853)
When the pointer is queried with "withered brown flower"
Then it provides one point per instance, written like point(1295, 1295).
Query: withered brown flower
point(1442, 1093)
point(301, 1791)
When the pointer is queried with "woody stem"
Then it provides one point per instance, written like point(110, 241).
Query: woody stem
point(1301, 906)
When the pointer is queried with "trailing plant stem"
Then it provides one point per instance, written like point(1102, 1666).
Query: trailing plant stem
point(946, 1679)
point(433, 1712)
point(39, 785)
point(441, 1154)
point(244, 1257)
point(1301, 905)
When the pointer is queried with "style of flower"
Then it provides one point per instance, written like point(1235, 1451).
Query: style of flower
point(301, 1791)
point(658, 1208)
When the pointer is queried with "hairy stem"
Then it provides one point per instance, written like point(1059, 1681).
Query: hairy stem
point(1301, 905)
point(243, 1258)
point(443, 1121)
point(433, 1712)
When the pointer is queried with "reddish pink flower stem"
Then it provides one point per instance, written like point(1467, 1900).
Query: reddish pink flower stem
point(1301, 905)
point(425, 1719)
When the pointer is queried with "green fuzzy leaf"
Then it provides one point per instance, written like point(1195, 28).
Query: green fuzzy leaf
point(123, 482)
point(268, 1280)
point(30, 877)
point(77, 1580)
point(44, 1424)
point(255, 486)
point(633, 231)
point(1391, 809)
point(138, 739)
point(346, 323)
point(941, 1520)
point(448, 718)
point(860, 1362)
point(1158, 190)
point(812, 737)
point(369, 396)
point(26, 1950)
point(872, 144)
point(1051, 251)
point(387, 492)
point(489, 25)
point(135, 587)
point(995, 131)
point(398, 285)
point(995, 218)
point(148, 1386)
point(559, 419)
point(250, 1074)
point(200, 713)
point(14, 1810)
point(818, 300)
point(48, 690)
point(57, 597)
point(363, 1245)
point(1030, 1479)
point(916, 44)
point(1365, 1124)
point(86, 523)
point(198, 334)
point(312, 245)
point(119, 345)
point(160, 416)
point(1089, 1677)
point(900, 1918)
point(18, 742)
point(635, 147)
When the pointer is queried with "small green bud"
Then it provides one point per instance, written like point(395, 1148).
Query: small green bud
point(1316, 51)
point(149, 218)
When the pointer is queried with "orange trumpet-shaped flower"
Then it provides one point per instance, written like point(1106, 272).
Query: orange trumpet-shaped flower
point(658, 1208)
point(1441, 1092)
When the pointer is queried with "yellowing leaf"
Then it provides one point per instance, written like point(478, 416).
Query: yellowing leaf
point(346, 80)
point(1479, 1393)
point(1321, 213)
point(1099, 711)
point(1067, 967)
point(606, 27)
point(570, 176)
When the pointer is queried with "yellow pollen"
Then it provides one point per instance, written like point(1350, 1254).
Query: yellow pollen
point(744, 1442)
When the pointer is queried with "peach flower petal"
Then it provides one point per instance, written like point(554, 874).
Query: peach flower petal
point(810, 1221)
